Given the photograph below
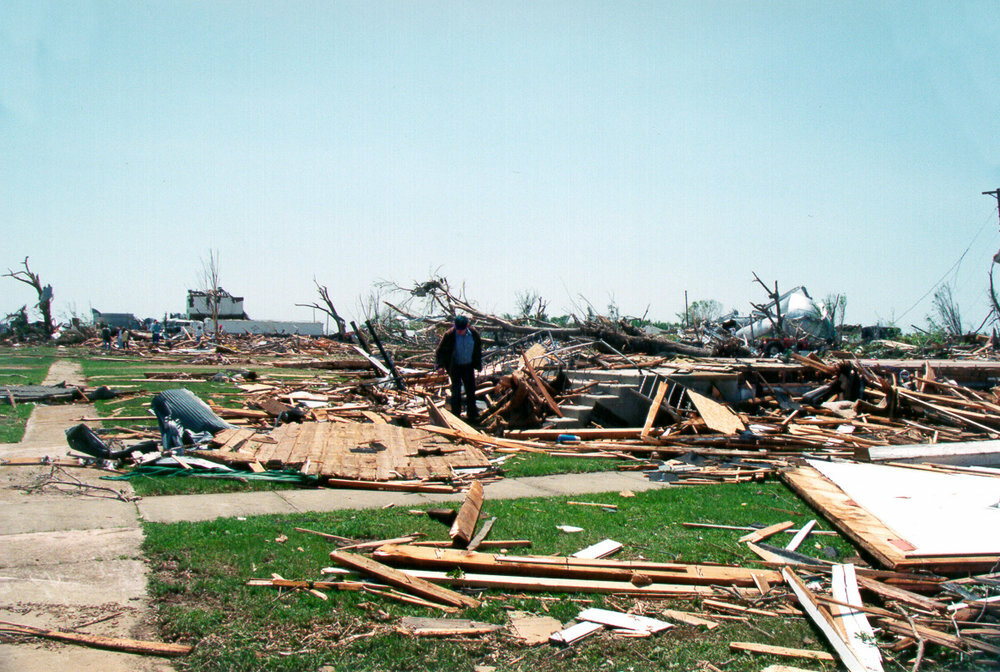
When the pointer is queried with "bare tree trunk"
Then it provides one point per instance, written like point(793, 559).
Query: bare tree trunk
point(211, 272)
point(329, 309)
point(44, 293)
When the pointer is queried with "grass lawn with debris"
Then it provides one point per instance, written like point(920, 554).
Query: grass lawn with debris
point(21, 366)
point(199, 572)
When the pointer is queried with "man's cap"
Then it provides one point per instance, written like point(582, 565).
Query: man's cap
point(461, 321)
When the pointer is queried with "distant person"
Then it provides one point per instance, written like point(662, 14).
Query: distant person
point(126, 337)
point(118, 337)
point(460, 353)
point(157, 329)
point(106, 337)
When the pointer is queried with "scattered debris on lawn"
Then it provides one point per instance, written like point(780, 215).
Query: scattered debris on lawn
point(900, 455)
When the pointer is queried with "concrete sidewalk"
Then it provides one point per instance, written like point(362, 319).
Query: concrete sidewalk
point(178, 508)
point(68, 559)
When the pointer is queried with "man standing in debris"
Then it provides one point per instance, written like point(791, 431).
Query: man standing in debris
point(460, 352)
point(157, 329)
point(106, 337)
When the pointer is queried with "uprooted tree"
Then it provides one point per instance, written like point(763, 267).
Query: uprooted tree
point(435, 303)
point(28, 277)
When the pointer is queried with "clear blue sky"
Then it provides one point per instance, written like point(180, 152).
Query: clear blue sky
point(621, 151)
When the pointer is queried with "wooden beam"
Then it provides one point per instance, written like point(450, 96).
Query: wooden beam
point(654, 408)
point(399, 579)
point(621, 571)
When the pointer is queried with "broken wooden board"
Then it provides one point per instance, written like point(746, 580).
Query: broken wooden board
point(654, 408)
point(765, 532)
point(800, 536)
point(533, 630)
point(783, 651)
point(444, 627)
point(575, 633)
point(716, 416)
point(601, 549)
point(858, 633)
point(468, 515)
point(407, 582)
point(617, 619)
point(689, 618)
point(358, 451)
point(821, 619)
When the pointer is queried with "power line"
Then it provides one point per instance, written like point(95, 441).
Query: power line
point(949, 271)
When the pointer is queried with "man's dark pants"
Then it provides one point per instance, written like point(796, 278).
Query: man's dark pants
point(463, 375)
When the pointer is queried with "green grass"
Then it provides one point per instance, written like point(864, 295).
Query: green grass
point(200, 570)
point(541, 464)
point(124, 374)
point(20, 366)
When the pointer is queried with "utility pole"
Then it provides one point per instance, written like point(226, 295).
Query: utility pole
point(995, 194)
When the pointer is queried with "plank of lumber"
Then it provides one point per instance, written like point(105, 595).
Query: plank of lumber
point(99, 641)
point(765, 532)
point(468, 515)
point(484, 529)
point(498, 543)
point(822, 620)
point(585, 433)
point(558, 585)
point(601, 549)
point(621, 571)
point(800, 536)
point(716, 416)
point(783, 651)
point(689, 618)
point(575, 633)
point(654, 408)
point(617, 619)
point(858, 632)
point(399, 579)
point(890, 592)
point(394, 486)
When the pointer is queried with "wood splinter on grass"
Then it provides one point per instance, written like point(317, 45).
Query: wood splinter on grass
point(614, 507)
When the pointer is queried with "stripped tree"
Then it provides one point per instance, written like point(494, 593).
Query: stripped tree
point(28, 277)
point(328, 308)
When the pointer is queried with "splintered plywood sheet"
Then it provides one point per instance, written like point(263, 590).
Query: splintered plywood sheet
point(716, 416)
point(936, 514)
point(360, 451)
